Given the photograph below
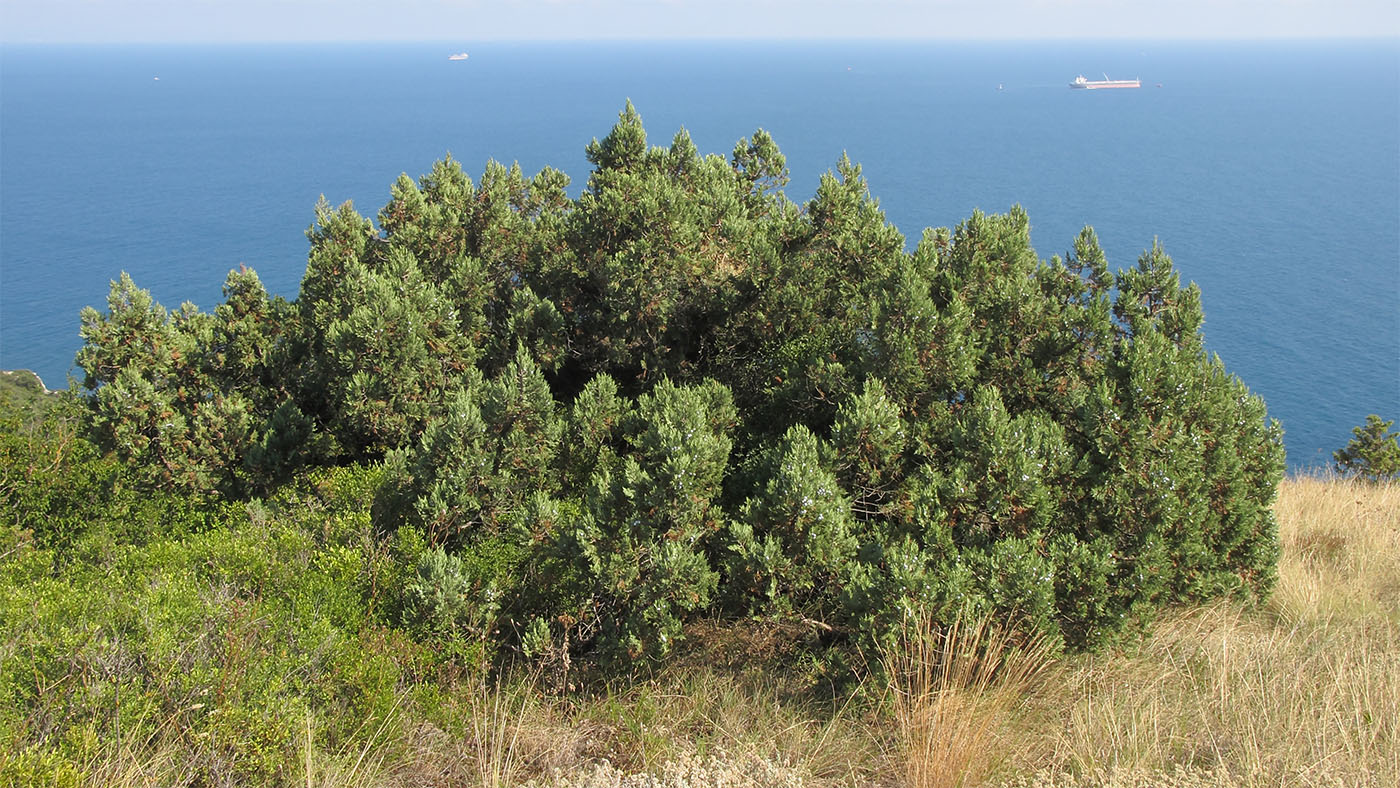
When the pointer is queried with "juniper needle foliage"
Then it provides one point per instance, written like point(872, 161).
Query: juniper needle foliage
point(681, 393)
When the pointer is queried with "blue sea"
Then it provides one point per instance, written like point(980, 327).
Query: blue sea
point(1269, 171)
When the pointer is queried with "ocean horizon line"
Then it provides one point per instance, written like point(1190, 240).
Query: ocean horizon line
point(855, 39)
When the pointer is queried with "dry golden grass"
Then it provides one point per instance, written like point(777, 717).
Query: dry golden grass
point(1249, 702)
point(952, 691)
point(720, 722)
point(1304, 690)
point(1341, 551)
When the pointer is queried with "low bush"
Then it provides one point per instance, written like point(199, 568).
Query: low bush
point(683, 394)
point(1373, 453)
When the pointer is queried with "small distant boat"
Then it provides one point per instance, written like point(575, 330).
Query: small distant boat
point(458, 56)
point(1095, 84)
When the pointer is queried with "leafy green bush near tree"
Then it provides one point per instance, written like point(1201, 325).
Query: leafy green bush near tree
point(682, 394)
point(1373, 453)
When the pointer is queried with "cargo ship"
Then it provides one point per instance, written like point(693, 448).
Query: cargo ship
point(1095, 84)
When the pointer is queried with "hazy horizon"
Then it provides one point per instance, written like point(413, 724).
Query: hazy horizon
point(356, 21)
point(458, 42)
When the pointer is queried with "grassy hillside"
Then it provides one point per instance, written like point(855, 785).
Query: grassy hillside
point(171, 643)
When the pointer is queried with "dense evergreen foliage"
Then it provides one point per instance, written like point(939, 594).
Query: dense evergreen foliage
point(1373, 453)
point(681, 393)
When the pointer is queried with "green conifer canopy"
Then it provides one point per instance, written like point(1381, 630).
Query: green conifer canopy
point(682, 393)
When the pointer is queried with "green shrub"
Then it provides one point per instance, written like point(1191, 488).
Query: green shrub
point(683, 394)
point(442, 597)
point(202, 634)
point(1373, 453)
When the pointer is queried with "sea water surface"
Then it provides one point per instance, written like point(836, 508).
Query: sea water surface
point(1269, 171)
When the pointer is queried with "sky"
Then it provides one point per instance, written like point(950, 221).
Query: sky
point(210, 21)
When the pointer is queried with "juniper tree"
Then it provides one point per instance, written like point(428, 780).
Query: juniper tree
point(1373, 453)
point(183, 397)
point(643, 549)
point(683, 393)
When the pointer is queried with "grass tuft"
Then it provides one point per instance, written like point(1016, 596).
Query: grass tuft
point(953, 690)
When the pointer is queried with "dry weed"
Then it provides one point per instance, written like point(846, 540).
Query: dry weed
point(953, 689)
